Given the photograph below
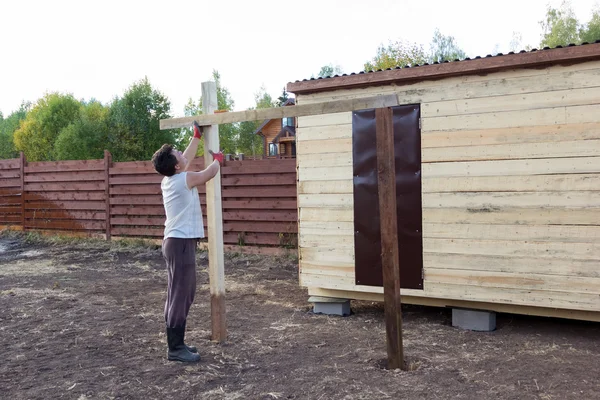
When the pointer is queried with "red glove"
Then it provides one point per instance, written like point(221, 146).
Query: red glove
point(217, 156)
point(197, 130)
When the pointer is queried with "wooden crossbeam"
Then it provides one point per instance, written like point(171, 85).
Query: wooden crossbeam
point(329, 107)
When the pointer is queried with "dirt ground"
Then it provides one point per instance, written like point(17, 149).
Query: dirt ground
point(83, 320)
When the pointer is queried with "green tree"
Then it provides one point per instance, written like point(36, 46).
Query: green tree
point(87, 136)
point(444, 48)
point(560, 27)
point(250, 143)
point(38, 132)
point(228, 133)
point(134, 123)
point(397, 54)
point(283, 98)
point(329, 70)
point(591, 31)
point(184, 135)
point(8, 126)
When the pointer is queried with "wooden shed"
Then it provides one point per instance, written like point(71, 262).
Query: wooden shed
point(497, 184)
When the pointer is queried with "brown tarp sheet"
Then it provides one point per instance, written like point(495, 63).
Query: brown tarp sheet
point(367, 236)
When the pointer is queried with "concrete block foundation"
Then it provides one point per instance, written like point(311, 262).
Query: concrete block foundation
point(474, 320)
point(330, 306)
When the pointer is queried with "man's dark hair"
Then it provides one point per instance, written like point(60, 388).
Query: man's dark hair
point(164, 160)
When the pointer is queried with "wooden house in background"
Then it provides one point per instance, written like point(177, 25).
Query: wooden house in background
point(279, 136)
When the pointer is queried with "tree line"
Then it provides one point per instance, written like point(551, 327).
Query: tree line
point(60, 127)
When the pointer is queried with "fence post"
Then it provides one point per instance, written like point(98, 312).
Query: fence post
point(107, 165)
point(214, 208)
point(390, 264)
point(22, 165)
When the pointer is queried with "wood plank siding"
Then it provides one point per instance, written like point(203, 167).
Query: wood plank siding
point(510, 190)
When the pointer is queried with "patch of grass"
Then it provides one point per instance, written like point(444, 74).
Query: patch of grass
point(413, 365)
point(134, 243)
point(32, 237)
point(36, 237)
point(10, 234)
point(107, 333)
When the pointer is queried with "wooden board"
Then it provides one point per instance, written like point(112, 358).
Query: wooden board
point(320, 160)
point(517, 183)
point(497, 200)
point(326, 200)
point(538, 233)
point(329, 107)
point(66, 205)
point(524, 134)
point(563, 149)
point(321, 214)
point(137, 221)
point(64, 166)
point(136, 200)
point(513, 102)
point(583, 165)
point(327, 239)
point(324, 173)
point(71, 176)
point(513, 215)
point(76, 215)
point(433, 302)
point(64, 196)
point(138, 232)
point(516, 296)
point(261, 215)
point(65, 224)
point(275, 204)
point(13, 163)
point(136, 180)
point(515, 265)
point(515, 248)
point(325, 187)
point(260, 192)
point(64, 186)
point(10, 182)
point(131, 210)
point(274, 179)
point(325, 132)
point(510, 119)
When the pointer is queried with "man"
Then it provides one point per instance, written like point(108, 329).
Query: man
point(183, 228)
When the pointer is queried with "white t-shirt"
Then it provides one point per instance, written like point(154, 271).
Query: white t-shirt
point(182, 207)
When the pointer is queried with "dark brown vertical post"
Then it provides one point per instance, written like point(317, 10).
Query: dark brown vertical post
point(107, 164)
point(386, 180)
point(22, 165)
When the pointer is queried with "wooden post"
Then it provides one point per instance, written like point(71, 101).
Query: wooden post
point(216, 260)
point(386, 181)
point(22, 166)
point(107, 165)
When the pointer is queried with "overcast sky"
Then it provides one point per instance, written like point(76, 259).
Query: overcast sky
point(98, 49)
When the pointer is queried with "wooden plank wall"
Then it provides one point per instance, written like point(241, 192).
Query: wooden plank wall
point(259, 202)
point(511, 188)
point(10, 192)
point(259, 199)
point(65, 196)
point(136, 207)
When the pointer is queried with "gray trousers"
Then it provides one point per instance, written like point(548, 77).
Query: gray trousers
point(180, 256)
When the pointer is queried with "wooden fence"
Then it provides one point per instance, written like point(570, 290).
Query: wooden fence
point(99, 197)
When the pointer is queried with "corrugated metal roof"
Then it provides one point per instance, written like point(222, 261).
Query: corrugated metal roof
point(301, 85)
